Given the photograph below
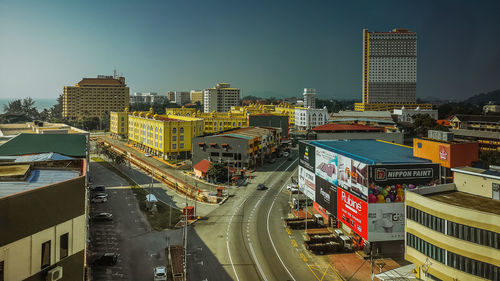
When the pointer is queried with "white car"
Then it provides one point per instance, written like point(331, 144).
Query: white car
point(292, 188)
point(99, 199)
point(147, 155)
point(286, 154)
point(160, 273)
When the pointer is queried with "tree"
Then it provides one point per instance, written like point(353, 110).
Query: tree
point(25, 107)
point(489, 157)
point(217, 172)
point(14, 107)
point(423, 123)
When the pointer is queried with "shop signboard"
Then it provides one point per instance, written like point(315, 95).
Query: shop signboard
point(326, 195)
point(353, 212)
point(353, 176)
point(307, 182)
point(404, 174)
point(386, 222)
point(327, 165)
point(307, 156)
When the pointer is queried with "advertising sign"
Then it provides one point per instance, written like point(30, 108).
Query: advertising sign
point(353, 212)
point(307, 182)
point(327, 165)
point(307, 156)
point(386, 222)
point(326, 195)
point(444, 153)
point(403, 174)
point(344, 176)
point(353, 176)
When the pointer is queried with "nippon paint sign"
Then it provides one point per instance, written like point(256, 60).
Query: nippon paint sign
point(394, 174)
point(307, 182)
point(353, 212)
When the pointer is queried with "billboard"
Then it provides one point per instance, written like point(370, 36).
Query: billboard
point(404, 174)
point(386, 222)
point(307, 156)
point(326, 195)
point(353, 176)
point(327, 165)
point(352, 212)
point(307, 182)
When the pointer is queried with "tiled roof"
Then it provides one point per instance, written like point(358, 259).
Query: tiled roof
point(99, 81)
point(347, 127)
point(203, 166)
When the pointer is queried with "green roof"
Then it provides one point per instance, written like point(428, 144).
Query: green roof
point(69, 145)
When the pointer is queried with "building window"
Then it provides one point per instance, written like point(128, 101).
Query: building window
point(181, 145)
point(174, 138)
point(45, 254)
point(174, 146)
point(63, 244)
point(174, 130)
point(181, 138)
point(181, 130)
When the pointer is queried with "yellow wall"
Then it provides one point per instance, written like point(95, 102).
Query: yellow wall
point(79, 102)
point(118, 123)
point(474, 184)
point(23, 257)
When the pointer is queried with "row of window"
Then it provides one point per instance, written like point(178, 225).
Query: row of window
point(468, 233)
point(456, 261)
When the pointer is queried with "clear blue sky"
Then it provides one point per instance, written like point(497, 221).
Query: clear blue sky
point(265, 48)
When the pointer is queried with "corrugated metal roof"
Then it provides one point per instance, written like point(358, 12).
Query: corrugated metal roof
point(371, 151)
point(347, 127)
point(237, 136)
point(35, 157)
point(37, 178)
point(70, 145)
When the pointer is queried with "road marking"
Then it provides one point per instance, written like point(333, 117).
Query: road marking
point(269, 232)
point(288, 231)
point(227, 240)
point(294, 243)
point(256, 261)
point(304, 258)
point(323, 270)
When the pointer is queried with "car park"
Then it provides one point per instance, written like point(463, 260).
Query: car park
point(106, 259)
point(102, 217)
point(160, 273)
point(261, 186)
point(99, 199)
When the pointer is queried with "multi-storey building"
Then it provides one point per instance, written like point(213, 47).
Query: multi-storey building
point(308, 118)
point(452, 230)
point(147, 98)
point(196, 96)
point(309, 97)
point(43, 229)
point(406, 114)
point(179, 97)
point(165, 136)
point(239, 148)
point(220, 98)
point(95, 97)
point(118, 123)
point(389, 70)
point(485, 129)
point(213, 122)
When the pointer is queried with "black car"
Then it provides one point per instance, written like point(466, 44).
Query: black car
point(261, 186)
point(102, 217)
point(106, 259)
point(98, 188)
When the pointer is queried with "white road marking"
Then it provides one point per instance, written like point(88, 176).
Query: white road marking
point(256, 262)
point(269, 232)
point(227, 239)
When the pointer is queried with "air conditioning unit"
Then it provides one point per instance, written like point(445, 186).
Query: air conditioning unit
point(54, 274)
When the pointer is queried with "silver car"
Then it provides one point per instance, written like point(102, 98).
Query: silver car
point(160, 273)
point(99, 199)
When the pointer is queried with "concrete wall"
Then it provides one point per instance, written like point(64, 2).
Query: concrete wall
point(235, 146)
point(474, 184)
point(390, 137)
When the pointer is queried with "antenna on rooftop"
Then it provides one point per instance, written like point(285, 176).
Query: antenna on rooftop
point(114, 74)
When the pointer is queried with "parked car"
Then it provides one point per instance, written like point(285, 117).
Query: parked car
point(102, 217)
point(160, 273)
point(261, 186)
point(286, 154)
point(147, 155)
point(98, 188)
point(292, 188)
point(99, 199)
point(104, 194)
point(106, 259)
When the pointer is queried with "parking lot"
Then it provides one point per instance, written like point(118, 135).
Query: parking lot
point(127, 234)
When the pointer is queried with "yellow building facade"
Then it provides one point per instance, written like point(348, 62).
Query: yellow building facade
point(95, 97)
point(118, 123)
point(453, 230)
point(213, 122)
point(165, 136)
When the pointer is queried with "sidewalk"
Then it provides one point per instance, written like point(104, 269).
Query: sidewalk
point(352, 267)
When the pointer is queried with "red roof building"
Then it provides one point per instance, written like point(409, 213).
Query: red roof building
point(337, 128)
point(201, 168)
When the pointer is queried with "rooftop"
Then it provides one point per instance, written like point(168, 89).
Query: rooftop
point(349, 113)
point(493, 174)
point(467, 200)
point(347, 127)
point(477, 118)
point(100, 82)
point(371, 151)
point(247, 133)
point(24, 144)
point(35, 157)
point(36, 179)
point(203, 166)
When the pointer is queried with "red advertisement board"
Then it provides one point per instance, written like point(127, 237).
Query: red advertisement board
point(353, 212)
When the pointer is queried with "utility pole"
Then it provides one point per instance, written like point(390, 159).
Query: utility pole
point(306, 213)
point(371, 260)
point(195, 193)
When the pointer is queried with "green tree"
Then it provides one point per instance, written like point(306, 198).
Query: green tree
point(14, 107)
point(489, 157)
point(217, 172)
point(423, 123)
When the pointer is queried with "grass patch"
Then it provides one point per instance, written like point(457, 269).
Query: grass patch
point(175, 161)
point(159, 220)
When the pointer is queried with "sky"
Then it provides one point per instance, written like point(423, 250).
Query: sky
point(265, 48)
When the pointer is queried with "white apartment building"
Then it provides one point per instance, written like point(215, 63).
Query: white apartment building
point(389, 67)
point(179, 97)
point(309, 97)
point(308, 118)
point(148, 98)
point(220, 98)
point(405, 114)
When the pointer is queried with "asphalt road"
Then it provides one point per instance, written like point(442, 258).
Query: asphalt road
point(246, 234)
